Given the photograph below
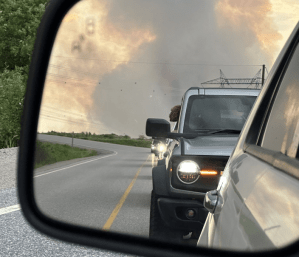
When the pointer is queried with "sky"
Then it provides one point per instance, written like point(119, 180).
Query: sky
point(116, 63)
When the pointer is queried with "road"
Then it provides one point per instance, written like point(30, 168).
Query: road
point(87, 191)
point(19, 239)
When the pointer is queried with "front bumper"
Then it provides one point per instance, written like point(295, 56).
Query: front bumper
point(173, 213)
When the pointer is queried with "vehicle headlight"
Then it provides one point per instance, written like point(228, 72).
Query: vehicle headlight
point(188, 172)
point(161, 148)
point(153, 147)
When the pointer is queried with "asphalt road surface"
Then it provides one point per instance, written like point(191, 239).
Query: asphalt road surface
point(110, 191)
point(18, 238)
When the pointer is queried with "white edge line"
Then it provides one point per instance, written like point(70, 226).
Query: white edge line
point(114, 153)
point(17, 207)
point(9, 209)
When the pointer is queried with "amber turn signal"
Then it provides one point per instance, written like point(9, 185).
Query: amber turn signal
point(208, 173)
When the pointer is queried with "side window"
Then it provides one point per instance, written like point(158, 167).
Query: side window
point(176, 126)
point(282, 129)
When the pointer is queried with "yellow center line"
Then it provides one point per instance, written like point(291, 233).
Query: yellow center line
point(117, 208)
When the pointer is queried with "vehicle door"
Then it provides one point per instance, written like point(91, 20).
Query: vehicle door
point(269, 217)
point(257, 196)
point(234, 187)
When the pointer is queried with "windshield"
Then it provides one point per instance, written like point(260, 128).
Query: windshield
point(217, 112)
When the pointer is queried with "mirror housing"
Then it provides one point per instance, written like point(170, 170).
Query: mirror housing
point(157, 127)
point(48, 28)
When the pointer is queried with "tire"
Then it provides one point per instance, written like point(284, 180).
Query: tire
point(158, 229)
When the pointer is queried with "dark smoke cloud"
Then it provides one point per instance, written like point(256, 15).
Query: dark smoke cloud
point(157, 75)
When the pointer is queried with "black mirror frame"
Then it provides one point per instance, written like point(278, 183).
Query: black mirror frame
point(47, 30)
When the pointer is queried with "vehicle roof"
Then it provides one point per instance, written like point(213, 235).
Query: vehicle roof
point(222, 91)
point(212, 91)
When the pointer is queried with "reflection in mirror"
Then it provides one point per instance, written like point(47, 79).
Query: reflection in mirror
point(117, 63)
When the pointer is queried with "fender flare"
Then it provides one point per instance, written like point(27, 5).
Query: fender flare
point(159, 177)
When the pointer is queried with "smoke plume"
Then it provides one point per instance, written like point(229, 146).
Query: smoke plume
point(128, 60)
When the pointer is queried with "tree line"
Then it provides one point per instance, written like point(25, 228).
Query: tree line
point(19, 21)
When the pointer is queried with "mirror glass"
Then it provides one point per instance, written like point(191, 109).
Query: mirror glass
point(116, 63)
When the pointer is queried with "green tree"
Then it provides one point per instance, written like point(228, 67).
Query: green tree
point(12, 90)
point(19, 21)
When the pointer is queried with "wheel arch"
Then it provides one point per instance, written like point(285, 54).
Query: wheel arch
point(159, 177)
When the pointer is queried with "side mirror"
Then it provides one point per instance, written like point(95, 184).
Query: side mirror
point(157, 128)
point(210, 200)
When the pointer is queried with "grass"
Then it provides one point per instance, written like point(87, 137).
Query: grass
point(107, 138)
point(49, 153)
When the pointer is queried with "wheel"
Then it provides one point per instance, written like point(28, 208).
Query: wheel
point(158, 229)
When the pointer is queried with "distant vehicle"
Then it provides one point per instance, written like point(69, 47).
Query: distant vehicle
point(256, 204)
point(159, 146)
point(207, 130)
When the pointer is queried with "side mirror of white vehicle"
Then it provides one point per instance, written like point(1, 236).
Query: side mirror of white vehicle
point(210, 200)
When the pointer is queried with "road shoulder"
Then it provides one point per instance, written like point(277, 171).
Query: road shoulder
point(57, 165)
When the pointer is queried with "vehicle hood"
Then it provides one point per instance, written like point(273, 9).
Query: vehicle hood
point(209, 145)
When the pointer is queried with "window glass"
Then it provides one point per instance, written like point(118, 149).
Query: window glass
point(217, 112)
point(281, 133)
